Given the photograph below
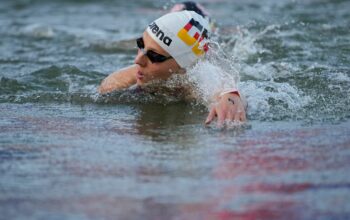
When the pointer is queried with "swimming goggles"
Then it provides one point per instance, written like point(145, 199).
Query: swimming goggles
point(152, 56)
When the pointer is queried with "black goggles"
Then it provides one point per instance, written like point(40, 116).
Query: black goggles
point(152, 56)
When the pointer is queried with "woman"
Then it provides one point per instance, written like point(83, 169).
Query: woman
point(169, 45)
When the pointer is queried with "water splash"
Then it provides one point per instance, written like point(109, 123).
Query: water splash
point(269, 93)
point(209, 79)
point(240, 44)
point(37, 30)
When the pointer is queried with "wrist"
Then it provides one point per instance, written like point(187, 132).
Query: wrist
point(230, 91)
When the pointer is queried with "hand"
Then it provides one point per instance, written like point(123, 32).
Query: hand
point(229, 107)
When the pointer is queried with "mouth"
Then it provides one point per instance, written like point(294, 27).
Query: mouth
point(139, 75)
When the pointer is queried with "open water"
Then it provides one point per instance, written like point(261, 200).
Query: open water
point(68, 153)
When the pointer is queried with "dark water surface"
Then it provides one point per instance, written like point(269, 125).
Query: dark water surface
point(68, 153)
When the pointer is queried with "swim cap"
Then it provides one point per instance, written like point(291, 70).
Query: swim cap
point(184, 35)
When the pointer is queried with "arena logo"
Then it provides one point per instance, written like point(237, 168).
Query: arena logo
point(184, 35)
point(160, 34)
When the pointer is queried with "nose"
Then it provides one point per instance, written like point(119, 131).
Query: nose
point(140, 58)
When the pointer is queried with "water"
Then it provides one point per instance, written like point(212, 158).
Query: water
point(68, 153)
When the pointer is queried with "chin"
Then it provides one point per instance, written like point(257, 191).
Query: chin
point(139, 82)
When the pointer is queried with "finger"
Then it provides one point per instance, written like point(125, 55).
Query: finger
point(221, 117)
point(243, 117)
point(211, 115)
point(237, 117)
point(230, 115)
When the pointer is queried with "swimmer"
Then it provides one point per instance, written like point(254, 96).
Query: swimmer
point(169, 45)
point(196, 7)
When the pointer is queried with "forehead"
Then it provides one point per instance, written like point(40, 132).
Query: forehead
point(151, 44)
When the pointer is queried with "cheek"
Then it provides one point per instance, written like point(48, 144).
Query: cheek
point(170, 69)
point(166, 73)
point(161, 72)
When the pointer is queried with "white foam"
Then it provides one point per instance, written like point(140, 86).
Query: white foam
point(39, 30)
point(267, 71)
point(339, 76)
point(258, 95)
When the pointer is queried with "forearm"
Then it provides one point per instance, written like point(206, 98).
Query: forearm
point(118, 80)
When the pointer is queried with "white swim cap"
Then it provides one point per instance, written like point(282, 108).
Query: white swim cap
point(184, 35)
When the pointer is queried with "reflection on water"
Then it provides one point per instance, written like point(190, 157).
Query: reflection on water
point(103, 162)
point(156, 120)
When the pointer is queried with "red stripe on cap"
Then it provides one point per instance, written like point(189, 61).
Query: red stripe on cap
point(196, 36)
point(206, 47)
point(188, 26)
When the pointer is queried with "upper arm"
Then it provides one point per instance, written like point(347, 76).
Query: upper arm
point(121, 79)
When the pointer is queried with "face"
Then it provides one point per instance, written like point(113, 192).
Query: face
point(148, 71)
